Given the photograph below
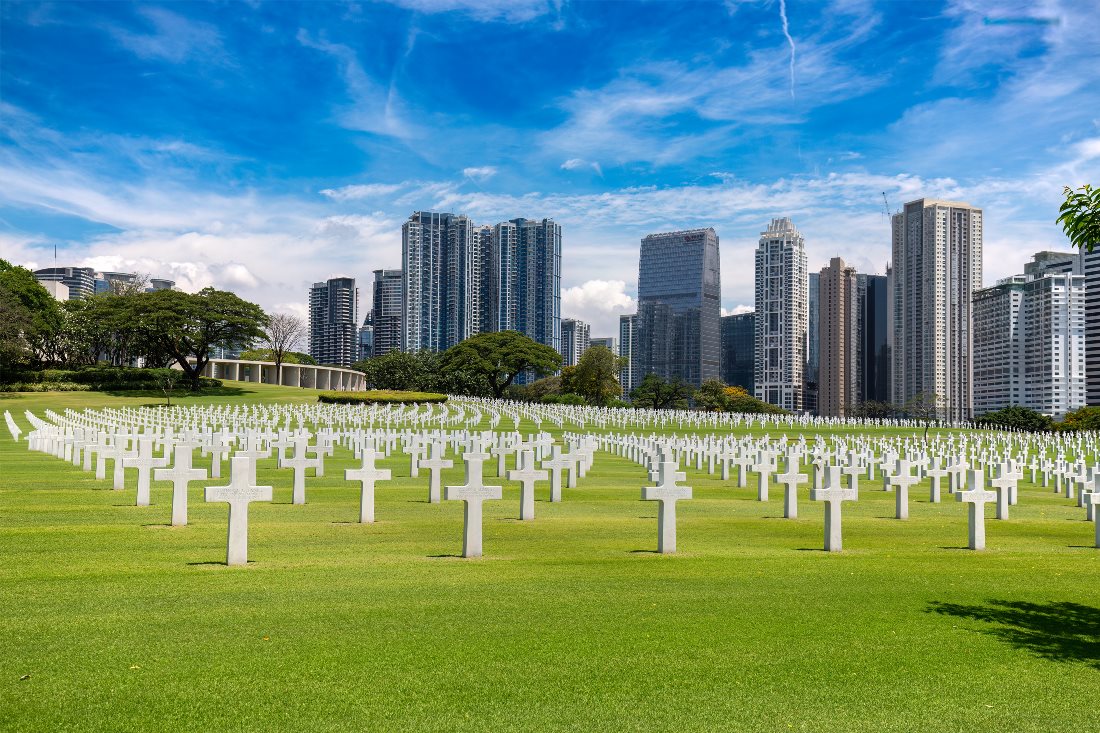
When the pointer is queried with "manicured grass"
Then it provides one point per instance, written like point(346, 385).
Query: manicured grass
point(570, 622)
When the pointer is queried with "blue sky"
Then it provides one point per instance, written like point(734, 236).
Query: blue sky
point(261, 146)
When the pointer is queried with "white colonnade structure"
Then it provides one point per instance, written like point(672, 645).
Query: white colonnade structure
point(287, 375)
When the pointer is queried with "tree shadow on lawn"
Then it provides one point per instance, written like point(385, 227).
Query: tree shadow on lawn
point(1060, 631)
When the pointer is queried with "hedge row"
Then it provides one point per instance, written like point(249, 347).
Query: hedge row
point(97, 379)
point(379, 397)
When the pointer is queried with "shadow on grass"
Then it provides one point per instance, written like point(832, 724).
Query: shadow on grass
point(178, 394)
point(1060, 631)
point(451, 554)
point(645, 552)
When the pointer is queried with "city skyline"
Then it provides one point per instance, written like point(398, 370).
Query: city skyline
point(323, 142)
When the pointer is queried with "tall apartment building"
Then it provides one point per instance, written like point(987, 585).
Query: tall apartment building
point(739, 350)
point(875, 337)
point(628, 336)
point(575, 338)
point(80, 281)
point(461, 279)
point(679, 294)
point(387, 311)
point(333, 334)
point(608, 342)
point(838, 345)
point(782, 294)
point(937, 261)
point(1029, 339)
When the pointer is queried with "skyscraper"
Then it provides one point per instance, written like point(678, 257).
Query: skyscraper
point(937, 259)
point(811, 375)
point(1029, 339)
point(875, 348)
point(387, 310)
point(739, 350)
point(575, 337)
point(781, 315)
point(837, 342)
point(333, 334)
point(461, 279)
point(679, 293)
point(1089, 266)
point(628, 336)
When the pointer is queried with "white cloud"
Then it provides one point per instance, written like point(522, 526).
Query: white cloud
point(173, 38)
point(362, 191)
point(579, 163)
point(510, 11)
point(599, 303)
point(479, 174)
point(738, 310)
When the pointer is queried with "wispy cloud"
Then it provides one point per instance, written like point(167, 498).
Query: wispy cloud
point(171, 37)
point(790, 41)
point(574, 164)
point(510, 11)
point(480, 173)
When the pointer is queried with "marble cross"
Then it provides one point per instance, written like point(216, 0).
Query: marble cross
point(299, 463)
point(976, 496)
point(238, 494)
point(473, 493)
point(435, 465)
point(791, 479)
point(367, 474)
point(1003, 486)
point(180, 474)
point(900, 482)
point(667, 492)
point(1092, 500)
point(144, 462)
point(556, 463)
point(935, 475)
point(833, 494)
point(527, 474)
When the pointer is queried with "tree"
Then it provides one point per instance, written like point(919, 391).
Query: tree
point(1079, 216)
point(874, 409)
point(396, 370)
point(498, 358)
point(1084, 418)
point(36, 308)
point(290, 357)
point(188, 326)
point(739, 400)
point(15, 321)
point(924, 407)
point(596, 376)
point(660, 394)
point(1020, 418)
point(282, 336)
point(138, 283)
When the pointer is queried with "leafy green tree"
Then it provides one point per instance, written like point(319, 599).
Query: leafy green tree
point(1084, 418)
point(924, 407)
point(596, 376)
point(1079, 216)
point(36, 309)
point(498, 358)
point(712, 396)
point(188, 326)
point(289, 357)
point(396, 370)
point(1020, 418)
point(874, 410)
point(655, 392)
point(15, 322)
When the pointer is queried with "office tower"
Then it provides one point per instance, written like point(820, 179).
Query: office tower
point(1029, 340)
point(875, 337)
point(366, 339)
point(80, 281)
point(574, 340)
point(937, 260)
point(121, 282)
point(679, 293)
point(739, 350)
point(628, 335)
point(811, 374)
point(608, 342)
point(461, 279)
point(837, 339)
point(160, 283)
point(387, 310)
point(782, 312)
point(333, 337)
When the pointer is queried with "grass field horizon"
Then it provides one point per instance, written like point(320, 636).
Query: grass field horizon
point(111, 619)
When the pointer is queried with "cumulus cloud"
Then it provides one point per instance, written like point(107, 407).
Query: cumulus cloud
point(738, 310)
point(599, 303)
point(579, 164)
point(480, 173)
point(360, 191)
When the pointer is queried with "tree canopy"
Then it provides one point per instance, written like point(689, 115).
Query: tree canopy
point(595, 377)
point(1079, 216)
point(660, 394)
point(498, 358)
point(1020, 418)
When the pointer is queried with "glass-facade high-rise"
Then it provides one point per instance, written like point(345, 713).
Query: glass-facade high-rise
point(679, 293)
point(628, 337)
point(387, 309)
point(333, 334)
point(575, 339)
point(79, 280)
point(739, 350)
point(461, 279)
point(875, 356)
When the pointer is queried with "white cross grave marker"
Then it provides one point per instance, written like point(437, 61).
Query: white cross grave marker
point(180, 474)
point(367, 474)
point(832, 494)
point(977, 497)
point(474, 493)
point(238, 494)
point(144, 462)
point(667, 492)
point(527, 474)
point(435, 465)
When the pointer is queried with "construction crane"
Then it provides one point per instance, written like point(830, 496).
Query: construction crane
point(885, 206)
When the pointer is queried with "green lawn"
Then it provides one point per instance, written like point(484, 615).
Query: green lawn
point(112, 620)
